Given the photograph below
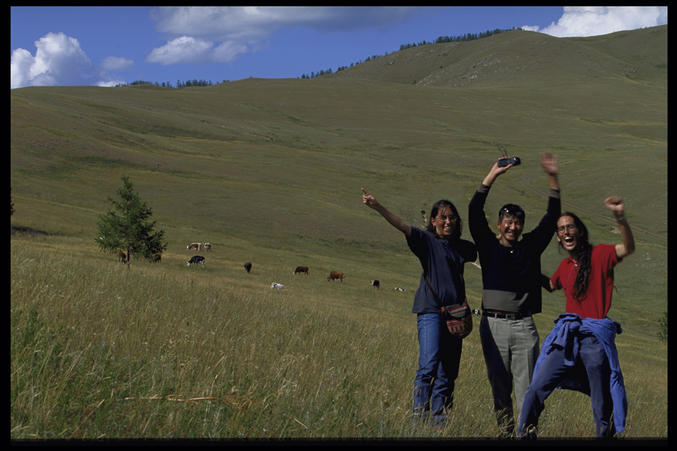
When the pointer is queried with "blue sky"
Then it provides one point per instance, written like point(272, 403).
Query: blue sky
point(104, 46)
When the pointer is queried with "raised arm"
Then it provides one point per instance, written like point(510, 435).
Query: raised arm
point(549, 164)
point(394, 220)
point(494, 172)
point(617, 206)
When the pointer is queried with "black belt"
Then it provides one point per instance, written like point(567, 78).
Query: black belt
point(505, 315)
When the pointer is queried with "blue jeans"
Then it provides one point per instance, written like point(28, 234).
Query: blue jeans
point(438, 361)
point(551, 372)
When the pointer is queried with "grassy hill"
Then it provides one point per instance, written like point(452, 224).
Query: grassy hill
point(269, 171)
point(523, 58)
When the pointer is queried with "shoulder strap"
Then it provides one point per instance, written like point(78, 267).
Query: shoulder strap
point(430, 287)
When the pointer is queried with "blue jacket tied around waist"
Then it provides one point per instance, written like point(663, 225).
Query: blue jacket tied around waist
point(565, 334)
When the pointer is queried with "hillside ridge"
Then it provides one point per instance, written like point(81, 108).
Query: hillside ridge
point(518, 57)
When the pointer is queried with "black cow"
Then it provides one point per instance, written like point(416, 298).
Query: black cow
point(248, 266)
point(375, 283)
point(196, 259)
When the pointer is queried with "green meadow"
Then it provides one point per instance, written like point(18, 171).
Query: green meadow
point(269, 171)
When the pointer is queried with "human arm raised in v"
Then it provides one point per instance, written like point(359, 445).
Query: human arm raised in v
point(393, 219)
point(617, 206)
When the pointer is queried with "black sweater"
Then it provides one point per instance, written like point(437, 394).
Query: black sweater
point(510, 275)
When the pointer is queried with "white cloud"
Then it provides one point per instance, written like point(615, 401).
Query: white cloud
point(185, 49)
point(231, 31)
point(258, 22)
point(227, 51)
point(597, 20)
point(59, 61)
point(20, 68)
point(110, 83)
point(116, 64)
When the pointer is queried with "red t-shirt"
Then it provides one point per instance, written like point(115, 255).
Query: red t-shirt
point(597, 299)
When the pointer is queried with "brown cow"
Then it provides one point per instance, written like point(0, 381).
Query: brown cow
point(155, 258)
point(301, 269)
point(196, 246)
point(122, 257)
point(335, 275)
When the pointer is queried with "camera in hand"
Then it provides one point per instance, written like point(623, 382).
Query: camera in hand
point(505, 159)
point(510, 160)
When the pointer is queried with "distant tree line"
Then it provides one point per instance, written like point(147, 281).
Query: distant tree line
point(442, 39)
point(459, 38)
point(439, 40)
point(166, 84)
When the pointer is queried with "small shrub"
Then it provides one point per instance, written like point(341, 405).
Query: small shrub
point(663, 327)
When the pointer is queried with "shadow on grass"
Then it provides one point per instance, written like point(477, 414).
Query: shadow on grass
point(22, 230)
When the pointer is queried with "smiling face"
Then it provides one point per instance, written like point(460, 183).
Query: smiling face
point(509, 229)
point(568, 234)
point(445, 222)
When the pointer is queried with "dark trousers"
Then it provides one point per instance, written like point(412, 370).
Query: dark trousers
point(551, 372)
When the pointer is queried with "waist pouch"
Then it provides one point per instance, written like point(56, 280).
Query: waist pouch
point(457, 316)
point(459, 319)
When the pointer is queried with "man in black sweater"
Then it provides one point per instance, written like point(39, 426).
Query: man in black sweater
point(511, 272)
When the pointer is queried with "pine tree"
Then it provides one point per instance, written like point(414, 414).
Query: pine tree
point(127, 227)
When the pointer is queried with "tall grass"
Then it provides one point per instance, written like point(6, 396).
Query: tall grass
point(270, 177)
point(100, 351)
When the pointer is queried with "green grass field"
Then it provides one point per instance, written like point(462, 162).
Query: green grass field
point(269, 171)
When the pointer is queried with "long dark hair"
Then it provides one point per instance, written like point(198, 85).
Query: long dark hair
point(433, 213)
point(582, 254)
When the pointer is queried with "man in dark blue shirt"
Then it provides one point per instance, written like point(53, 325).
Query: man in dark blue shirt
point(511, 272)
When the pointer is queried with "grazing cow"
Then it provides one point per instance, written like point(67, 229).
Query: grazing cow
point(155, 258)
point(208, 246)
point(375, 283)
point(122, 257)
point(196, 246)
point(196, 259)
point(276, 286)
point(335, 275)
point(301, 269)
point(248, 266)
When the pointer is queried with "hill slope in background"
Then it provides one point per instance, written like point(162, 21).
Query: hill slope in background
point(522, 58)
point(272, 169)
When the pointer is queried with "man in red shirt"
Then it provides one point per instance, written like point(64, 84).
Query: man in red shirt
point(580, 352)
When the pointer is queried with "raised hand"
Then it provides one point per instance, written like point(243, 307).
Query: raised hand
point(615, 204)
point(394, 220)
point(549, 163)
point(368, 199)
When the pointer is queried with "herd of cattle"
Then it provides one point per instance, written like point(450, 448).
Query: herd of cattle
point(199, 259)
